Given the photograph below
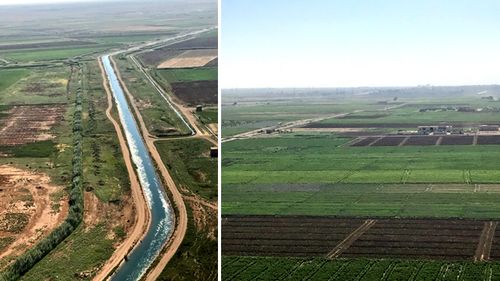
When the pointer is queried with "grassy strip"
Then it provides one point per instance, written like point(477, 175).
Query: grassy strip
point(9, 77)
point(188, 74)
point(196, 259)
point(75, 214)
point(189, 163)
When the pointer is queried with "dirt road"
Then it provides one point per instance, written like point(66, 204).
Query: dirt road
point(342, 246)
point(142, 218)
point(485, 241)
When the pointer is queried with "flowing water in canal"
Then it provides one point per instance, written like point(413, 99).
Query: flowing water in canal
point(161, 226)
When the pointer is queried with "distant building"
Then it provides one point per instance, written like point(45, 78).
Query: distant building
point(199, 108)
point(214, 152)
point(434, 130)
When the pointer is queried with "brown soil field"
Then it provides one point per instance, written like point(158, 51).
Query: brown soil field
point(155, 56)
point(357, 237)
point(26, 124)
point(190, 58)
point(284, 235)
point(364, 141)
point(417, 238)
point(173, 50)
point(389, 141)
point(198, 92)
point(488, 140)
point(422, 140)
point(196, 43)
point(30, 208)
point(457, 140)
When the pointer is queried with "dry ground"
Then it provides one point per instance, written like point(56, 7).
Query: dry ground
point(30, 208)
point(190, 58)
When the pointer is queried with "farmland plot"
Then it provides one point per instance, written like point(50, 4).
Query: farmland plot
point(26, 124)
point(190, 58)
point(284, 236)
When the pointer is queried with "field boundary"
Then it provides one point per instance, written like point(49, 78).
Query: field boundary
point(349, 240)
point(485, 241)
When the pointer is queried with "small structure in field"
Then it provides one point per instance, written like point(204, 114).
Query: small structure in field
point(214, 151)
point(435, 130)
point(199, 108)
point(488, 128)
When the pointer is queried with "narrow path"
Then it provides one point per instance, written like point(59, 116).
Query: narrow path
point(142, 217)
point(486, 239)
point(349, 240)
point(404, 141)
point(375, 141)
point(439, 140)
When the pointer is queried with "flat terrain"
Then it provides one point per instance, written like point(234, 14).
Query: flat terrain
point(325, 236)
point(35, 207)
point(283, 268)
point(340, 178)
point(190, 58)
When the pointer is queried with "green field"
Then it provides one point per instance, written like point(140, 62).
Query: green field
point(208, 115)
point(51, 54)
point(190, 165)
point(39, 85)
point(241, 115)
point(315, 172)
point(411, 113)
point(9, 77)
point(367, 200)
point(276, 268)
point(81, 252)
point(188, 74)
point(322, 158)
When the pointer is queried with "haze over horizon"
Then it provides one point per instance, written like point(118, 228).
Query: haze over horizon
point(265, 44)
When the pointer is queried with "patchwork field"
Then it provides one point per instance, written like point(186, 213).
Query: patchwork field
point(190, 58)
point(27, 124)
point(356, 192)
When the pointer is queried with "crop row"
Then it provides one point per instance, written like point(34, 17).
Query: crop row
point(309, 236)
point(280, 268)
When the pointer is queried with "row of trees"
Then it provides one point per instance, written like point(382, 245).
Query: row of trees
point(26, 261)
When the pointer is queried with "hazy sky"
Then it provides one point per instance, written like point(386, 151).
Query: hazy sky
point(23, 2)
point(321, 43)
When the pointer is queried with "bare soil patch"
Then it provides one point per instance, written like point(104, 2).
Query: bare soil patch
point(27, 212)
point(190, 58)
